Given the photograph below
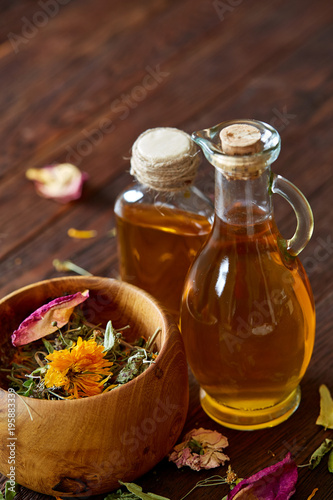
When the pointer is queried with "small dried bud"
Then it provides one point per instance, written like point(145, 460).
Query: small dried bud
point(231, 476)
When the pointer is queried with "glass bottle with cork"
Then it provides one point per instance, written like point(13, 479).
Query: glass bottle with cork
point(248, 318)
point(162, 220)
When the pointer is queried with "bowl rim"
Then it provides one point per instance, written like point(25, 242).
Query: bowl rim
point(166, 318)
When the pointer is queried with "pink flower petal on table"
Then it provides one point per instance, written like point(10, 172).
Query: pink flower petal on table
point(211, 444)
point(180, 457)
point(62, 182)
point(39, 323)
point(208, 438)
point(277, 482)
point(212, 459)
point(194, 462)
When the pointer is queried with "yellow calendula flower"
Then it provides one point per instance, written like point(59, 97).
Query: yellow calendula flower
point(81, 370)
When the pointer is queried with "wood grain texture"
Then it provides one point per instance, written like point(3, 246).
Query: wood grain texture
point(81, 447)
point(85, 71)
point(94, 150)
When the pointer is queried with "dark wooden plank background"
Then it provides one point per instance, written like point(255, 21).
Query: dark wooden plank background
point(74, 88)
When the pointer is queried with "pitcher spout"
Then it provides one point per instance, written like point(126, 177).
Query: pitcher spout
point(208, 140)
point(228, 159)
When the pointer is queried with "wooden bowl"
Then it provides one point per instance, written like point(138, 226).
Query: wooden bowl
point(82, 447)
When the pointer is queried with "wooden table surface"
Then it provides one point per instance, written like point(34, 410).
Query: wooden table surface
point(81, 79)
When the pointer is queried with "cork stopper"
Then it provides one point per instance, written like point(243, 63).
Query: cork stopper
point(240, 139)
point(165, 159)
point(239, 149)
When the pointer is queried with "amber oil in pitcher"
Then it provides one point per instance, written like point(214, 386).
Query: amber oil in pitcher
point(248, 318)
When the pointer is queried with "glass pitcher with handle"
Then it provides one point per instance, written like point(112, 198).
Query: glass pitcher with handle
point(247, 316)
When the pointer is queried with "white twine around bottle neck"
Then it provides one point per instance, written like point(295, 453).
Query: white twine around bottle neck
point(165, 159)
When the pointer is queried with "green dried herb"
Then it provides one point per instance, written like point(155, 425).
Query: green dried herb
point(110, 336)
point(326, 408)
point(330, 462)
point(137, 490)
point(325, 447)
point(10, 491)
point(122, 495)
point(48, 368)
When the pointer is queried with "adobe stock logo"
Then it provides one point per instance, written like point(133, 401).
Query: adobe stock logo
point(321, 253)
point(30, 27)
point(120, 109)
point(224, 8)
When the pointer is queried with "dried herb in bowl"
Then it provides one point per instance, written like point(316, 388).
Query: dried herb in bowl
point(60, 355)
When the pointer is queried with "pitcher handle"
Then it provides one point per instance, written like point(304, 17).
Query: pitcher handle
point(304, 215)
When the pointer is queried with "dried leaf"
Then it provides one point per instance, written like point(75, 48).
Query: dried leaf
point(109, 337)
point(122, 495)
point(48, 346)
point(61, 182)
point(330, 462)
point(132, 368)
point(11, 490)
point(48, 318)
point(137, 490)
point(326, 408)
point(325, 447)
point(277, 482)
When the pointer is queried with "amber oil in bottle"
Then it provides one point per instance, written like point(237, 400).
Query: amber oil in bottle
point(163, 220)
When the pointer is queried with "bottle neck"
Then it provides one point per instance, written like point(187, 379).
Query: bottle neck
point(243, 202)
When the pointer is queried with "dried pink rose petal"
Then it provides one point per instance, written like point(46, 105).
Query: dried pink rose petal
point(212, 459)
point(39, 323)
point(277, 482)
point(180, 457)
point(208, 438)
point(201, 449)
point(62, 182)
